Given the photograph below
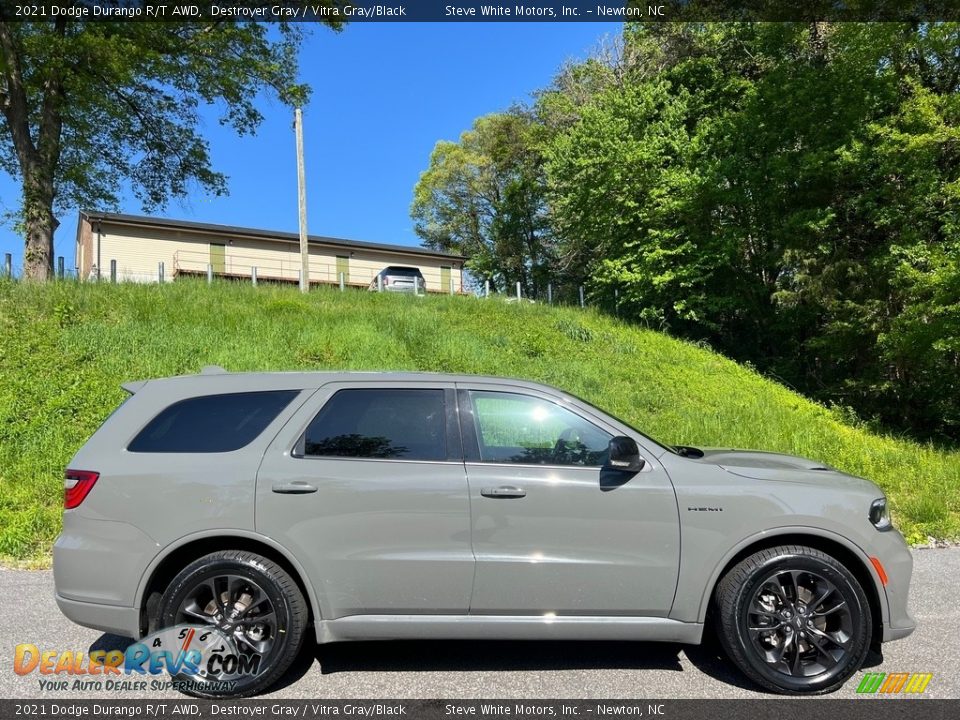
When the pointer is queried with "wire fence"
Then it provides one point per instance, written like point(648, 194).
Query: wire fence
point(257, 270)
point(10, 272)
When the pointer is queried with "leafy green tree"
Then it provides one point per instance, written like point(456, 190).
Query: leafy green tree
point(787, 192)
point(484, 197)
point(87, 106)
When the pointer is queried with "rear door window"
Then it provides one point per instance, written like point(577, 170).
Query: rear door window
point(406, 424)
point(211, 423)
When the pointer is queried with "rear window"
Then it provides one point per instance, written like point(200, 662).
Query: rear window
point(402, 271)
point(211, 423)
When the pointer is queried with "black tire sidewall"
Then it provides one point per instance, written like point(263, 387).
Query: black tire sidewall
point(273, 665)
point(852, 594)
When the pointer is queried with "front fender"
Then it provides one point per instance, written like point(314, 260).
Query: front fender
point(693, 597)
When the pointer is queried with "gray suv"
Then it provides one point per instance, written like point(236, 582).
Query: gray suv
point(398, 278)
point(272, 508)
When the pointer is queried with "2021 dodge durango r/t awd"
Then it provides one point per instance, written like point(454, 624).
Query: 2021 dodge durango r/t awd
point(281, 508)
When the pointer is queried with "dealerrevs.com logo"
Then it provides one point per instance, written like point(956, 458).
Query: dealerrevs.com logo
point(894, 683)
point(199, 658)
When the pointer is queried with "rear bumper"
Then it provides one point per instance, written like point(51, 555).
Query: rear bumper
point(96, 567)
point(123, 621)
point(401, 289)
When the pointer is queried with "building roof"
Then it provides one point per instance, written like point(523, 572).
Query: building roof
point(244, 232)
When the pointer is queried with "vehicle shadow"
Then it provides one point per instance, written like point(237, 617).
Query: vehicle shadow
point(473, 655)
point(493, 655)
point(108, 642)
point(503, 655)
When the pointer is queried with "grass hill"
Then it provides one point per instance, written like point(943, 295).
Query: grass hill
point(66, 347)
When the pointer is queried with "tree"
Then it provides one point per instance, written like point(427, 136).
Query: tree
point(484, 197)
point(87, 106)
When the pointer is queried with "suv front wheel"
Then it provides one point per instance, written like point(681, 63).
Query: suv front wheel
point(794, 620)
point(251, 601)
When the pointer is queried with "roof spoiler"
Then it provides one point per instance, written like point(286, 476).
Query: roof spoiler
point(134, 386)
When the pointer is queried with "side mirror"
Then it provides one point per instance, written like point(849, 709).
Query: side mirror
point(624, 455)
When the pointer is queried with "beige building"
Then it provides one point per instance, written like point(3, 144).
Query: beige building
point(138, 246)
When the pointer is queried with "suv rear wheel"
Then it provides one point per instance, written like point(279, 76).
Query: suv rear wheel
point(794, 620)
point(251, 601)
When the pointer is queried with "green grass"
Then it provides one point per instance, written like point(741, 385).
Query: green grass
point(65, 348)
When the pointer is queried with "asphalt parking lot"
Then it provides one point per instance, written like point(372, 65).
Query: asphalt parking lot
point(463, 670)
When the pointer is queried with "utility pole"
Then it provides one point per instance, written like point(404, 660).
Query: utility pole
point(302, 203)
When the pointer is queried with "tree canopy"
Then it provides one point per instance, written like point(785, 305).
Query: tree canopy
point(786, 192)
point(89, 106)
point(484, 197)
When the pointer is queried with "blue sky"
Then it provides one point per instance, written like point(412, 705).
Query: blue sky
point(383, 94)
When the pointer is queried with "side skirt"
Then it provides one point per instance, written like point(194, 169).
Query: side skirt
point(507, 627)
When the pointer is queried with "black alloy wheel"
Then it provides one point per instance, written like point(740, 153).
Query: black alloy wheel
point(794, 619)
point(252, 601)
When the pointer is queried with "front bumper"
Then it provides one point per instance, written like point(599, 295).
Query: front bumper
point(896, 633)
point(892, 551)
point(123, 621)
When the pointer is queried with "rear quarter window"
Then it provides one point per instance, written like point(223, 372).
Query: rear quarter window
point(211, 423)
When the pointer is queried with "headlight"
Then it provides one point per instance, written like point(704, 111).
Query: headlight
point(880, 515)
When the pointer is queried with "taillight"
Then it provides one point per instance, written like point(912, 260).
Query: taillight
point(77, 484)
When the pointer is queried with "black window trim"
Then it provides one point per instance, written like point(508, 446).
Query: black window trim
point(453, 436)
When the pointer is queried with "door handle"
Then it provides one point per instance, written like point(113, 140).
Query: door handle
point(296, 487)
point(504, 491)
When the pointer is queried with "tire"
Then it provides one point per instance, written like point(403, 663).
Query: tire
point(238, 575)
point(794, 620)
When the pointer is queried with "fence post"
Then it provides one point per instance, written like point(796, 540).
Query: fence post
point(160, 272)
point(518, 289)
point(60, 267)
point(8, 265)
point(253, 275)
point(113, 271)
point(549, 293)
point(209, 273)
point(380, 283)
point(486, 288)
point(451, 285)
point(342, 283)
point(616, 301)
point(581, 296)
